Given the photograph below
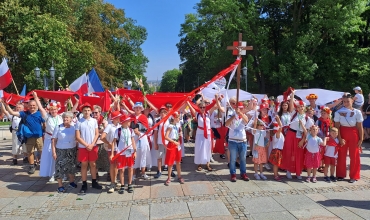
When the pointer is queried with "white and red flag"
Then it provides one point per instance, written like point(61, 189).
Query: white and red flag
point(5, 75)
point(80, 85)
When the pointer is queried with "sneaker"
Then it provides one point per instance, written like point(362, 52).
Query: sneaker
point(96, 185)
point(83, 189)
point(257, 176)
point(333, 179)
point(222, 156)
point(299, 177)
point(61, 189)
point(165, 168)
point(277, 178)
point(233, 178)
point(111, 188)
point(15, 162)
point(267, 166)
point(352, 181)
point(157, 175)
point(51, 179)
point(32, 169)
point(340, 179)
point(72, 184)
point(308, 179)
point(263, 176)
point(327, 179)
point(314, 180)
point(173, 174)
point(212, 160)
point(121, 190)
point(288, 175)
point(244, 177)
point(118, 185)
point(145, 177)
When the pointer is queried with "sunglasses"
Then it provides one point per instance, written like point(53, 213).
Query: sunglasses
point(202, 107)
point(75, 113)
point(168, 106)
point(95, 112)
point(232, 103)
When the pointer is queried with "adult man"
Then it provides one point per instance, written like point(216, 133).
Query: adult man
point(17, 147)
point(87, 134)
point(33, 121)
point(237, 141)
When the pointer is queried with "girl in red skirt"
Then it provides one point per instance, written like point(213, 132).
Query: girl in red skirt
point(124, 138)
point(277, 147)
point(173, 152)
point(313, 157)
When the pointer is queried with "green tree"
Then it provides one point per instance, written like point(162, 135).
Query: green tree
point(169, 80)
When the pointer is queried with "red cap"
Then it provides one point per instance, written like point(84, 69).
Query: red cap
point(124, 118)
point(163, 107)
point(115, 115)
point(240, 105)
point(84, 106)
point(264, 105)
point(176, 114)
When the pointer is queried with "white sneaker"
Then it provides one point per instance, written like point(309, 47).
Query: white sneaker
point(299, 177)
point(145, 177)
point(111, 188)
point(263, 176)
point(212, 160)
point(288, 175)
point(267, 166)
point(257, 176)
point(51, 179)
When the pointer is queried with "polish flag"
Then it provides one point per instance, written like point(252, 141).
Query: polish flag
point(80, 85)
point(5, 75)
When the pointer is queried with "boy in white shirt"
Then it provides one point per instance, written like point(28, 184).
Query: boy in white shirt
point(331, 154)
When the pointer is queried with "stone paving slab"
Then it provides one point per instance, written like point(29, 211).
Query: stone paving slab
point(262, 204)
point(296, 202)
point(284, 215)
point(81, 214)
point(169, 211)
point(319, 213)
point(139, 212)
point(117, 213)
point(208, 208)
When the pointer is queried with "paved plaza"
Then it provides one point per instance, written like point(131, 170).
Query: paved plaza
point(205, 195)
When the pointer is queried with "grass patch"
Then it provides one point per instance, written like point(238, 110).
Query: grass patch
point(5, 123)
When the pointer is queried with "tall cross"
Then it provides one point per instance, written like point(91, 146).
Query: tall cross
point(239, 48)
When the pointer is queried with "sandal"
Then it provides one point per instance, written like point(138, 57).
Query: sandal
point(181, 180)
point(121, 190)
point(61, 189)
point(130, 189)
point(199, 168)
point(209, 168)
point(168, 181)
point(320, 170)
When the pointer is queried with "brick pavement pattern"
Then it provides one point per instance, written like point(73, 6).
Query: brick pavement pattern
point(205, 195)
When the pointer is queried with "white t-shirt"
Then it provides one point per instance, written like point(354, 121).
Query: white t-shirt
point(295, 121)
point(15, 122)
point(237, 131)
point(215, 120)
point(110, 131)
point(285, 118)
point(87, 130)
point(259, 137)
point(313, 144)
point(174, 134)
point(278, 143)
point(159, 134)
point(343, 116)
point(330, 150)
point(360, 99)
point(66, 137)
point(125, 140)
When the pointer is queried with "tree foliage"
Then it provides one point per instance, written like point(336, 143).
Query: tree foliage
point(169, 80)
point(76, 35)
point(323, 43)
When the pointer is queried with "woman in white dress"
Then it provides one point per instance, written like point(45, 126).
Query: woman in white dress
point(52, 120)
point(203, 144)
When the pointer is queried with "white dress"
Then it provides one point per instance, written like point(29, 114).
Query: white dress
point(143, 156)
point(202, 149)
point(47, 166)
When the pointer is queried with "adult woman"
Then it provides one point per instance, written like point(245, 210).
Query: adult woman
point(284, 116)
point(293, 151)
point(52, 120)
point(349, 123)
point(103, 162)
point(366, 123)
point(203, 144)
point(64, 151)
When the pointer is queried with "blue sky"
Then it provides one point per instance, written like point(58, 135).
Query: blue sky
point(162, 20)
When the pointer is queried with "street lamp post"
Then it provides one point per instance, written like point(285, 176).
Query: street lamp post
point(245, 74)
point(45, 78)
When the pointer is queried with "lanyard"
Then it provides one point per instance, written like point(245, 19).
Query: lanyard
point(259, 137)
point(176, 132)
point(125, 136)
point(285, 119)
point(300, 117)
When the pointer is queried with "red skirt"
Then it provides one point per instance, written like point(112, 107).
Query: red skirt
point(293, 156)
point(220, 143)
point(275, 157)
point(172, 154)
point(312, 160)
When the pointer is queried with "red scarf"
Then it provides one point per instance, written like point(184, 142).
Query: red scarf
point(333, 143)
point(325, 125)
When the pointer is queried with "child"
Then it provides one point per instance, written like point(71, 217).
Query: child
point(324, 124)
point(313, 157)
point(277, 145)
point(331, 154)
point(173, 153)
point(358, 100)
point(259, 151)
point(124, 138)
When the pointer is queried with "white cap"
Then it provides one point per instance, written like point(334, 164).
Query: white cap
point(357, 88)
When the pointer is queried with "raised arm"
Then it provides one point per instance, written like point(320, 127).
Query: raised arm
point(291, 101)
point(127, 109)
point(10, 110)
point(75, 106)
point(151, 105)
point(5, 111)
point(41, 109)
point(192, 110)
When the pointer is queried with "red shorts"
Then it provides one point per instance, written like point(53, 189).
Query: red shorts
point(172, 154)
point(125, 162)
point(84, 155)
point(330, 161)
point(111, 161)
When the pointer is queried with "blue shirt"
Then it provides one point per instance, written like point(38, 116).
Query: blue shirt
point(33, 122)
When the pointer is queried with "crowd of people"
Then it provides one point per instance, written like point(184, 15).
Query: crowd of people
point(287, 136)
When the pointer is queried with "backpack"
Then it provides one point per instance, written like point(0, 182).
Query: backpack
point(10, 127)
point(23, 131)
